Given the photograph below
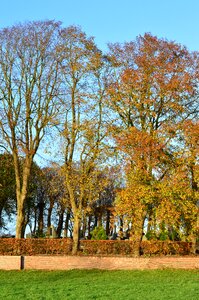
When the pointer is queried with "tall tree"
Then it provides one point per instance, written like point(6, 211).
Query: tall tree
point(82, 128)
point(28, 91)
point(153, 88)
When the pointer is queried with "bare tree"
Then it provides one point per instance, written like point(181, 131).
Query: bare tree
point(28, 90)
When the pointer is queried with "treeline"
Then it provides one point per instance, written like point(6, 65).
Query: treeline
point(126, 126)
point(48, 210)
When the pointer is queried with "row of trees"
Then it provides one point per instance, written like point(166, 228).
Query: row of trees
point(125, 124)
point(48, 206)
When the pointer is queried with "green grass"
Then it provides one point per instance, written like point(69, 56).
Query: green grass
point(96, 284)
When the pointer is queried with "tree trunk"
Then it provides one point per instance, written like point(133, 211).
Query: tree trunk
point(67, 223)
point(108, 222)
point(100, 218)
point(121, 234)
point(84, 227)
point(89, 227)
point(1, 219)
point(137, 234)
point(60, 223)
point(136, 238)
point(24, 228)
point(41, 206)
point(21, 191)
point(95, 220)
point(20, 216)
point(33, 231)
point(49, 217)
point(76, 230)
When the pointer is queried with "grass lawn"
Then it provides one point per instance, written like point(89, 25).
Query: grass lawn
point(96, 284)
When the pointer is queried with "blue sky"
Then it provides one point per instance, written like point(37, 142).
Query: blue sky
point(113, 20)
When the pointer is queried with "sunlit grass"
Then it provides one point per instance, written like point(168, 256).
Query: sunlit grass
point(96, 284)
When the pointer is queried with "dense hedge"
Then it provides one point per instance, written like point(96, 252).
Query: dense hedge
point(107, 247)
point(9, 246)
point(12, 246)
point(128, 247)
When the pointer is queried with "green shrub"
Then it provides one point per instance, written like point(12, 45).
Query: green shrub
point(99, 233)
point(151, 235)
point(163, 236)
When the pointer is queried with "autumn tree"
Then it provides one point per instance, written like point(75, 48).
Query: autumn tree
point(28, 91)
point(153, 87)
point(82, 129)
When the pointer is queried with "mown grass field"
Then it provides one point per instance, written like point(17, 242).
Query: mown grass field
point(96, 284)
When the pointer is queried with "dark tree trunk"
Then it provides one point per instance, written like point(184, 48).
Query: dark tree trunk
point(89, 227)
point(41, 206)
point(33, 232)
point(66, 227)
point(60, 223)
point(95, 221)
point(49, 217)
point(121, 231)
point(108, 222)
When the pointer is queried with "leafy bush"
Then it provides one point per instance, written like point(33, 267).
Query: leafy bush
point(99, 233)
point(163, 236)
point(151, 235)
